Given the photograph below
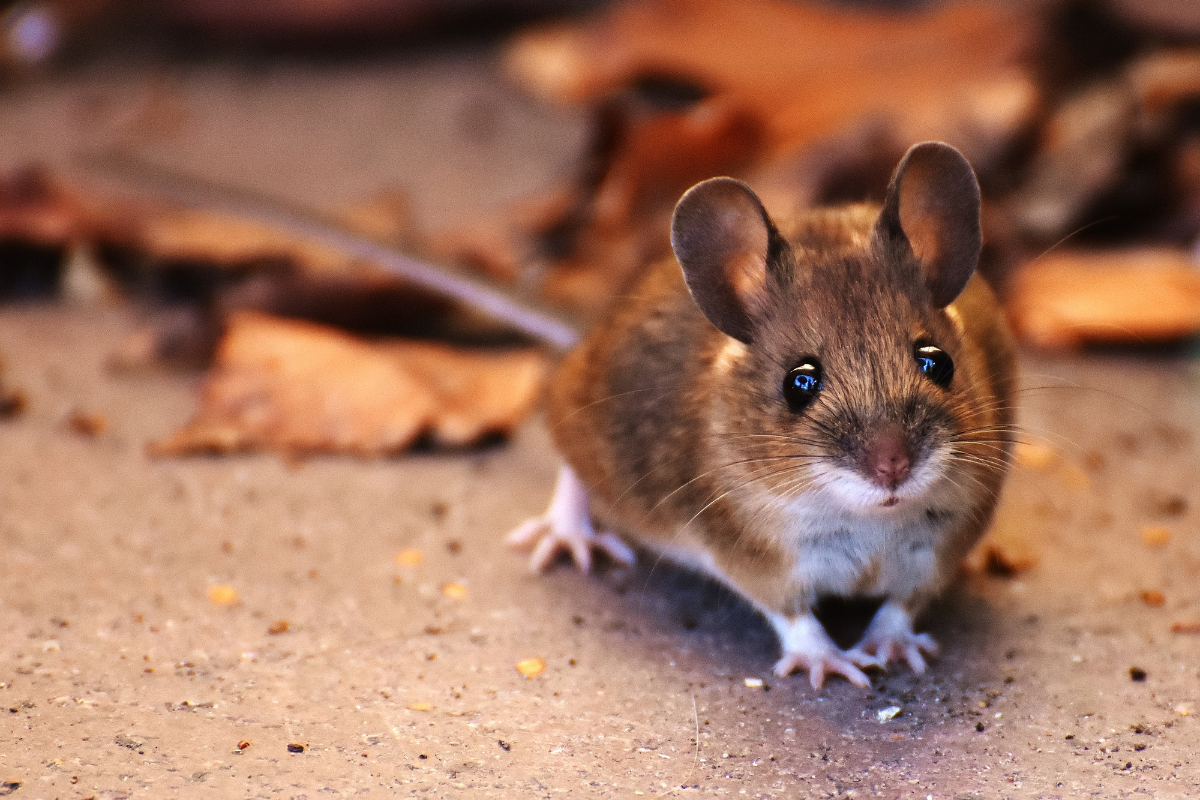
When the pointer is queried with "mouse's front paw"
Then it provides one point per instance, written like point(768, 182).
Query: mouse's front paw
point(807, 646)
point(567, 527)
point(890, 637)
point(819, 665)
point(548, 537)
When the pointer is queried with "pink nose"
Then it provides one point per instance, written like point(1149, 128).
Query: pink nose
point(888, 460)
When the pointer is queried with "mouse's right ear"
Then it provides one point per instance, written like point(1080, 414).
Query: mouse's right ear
point(721, 235)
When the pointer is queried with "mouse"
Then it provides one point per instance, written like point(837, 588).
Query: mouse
point(814, 407)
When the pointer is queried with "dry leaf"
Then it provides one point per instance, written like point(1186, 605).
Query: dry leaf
point(297, 387)
point(949, 71)
point(1005, 563)
point(12, 402)
point(36, 209)
point(167, 234)
point(1006, 550)
point(1122, 296)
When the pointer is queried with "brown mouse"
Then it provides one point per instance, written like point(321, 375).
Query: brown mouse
point(817, 409)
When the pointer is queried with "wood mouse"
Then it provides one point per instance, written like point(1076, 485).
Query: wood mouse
point(822, 408)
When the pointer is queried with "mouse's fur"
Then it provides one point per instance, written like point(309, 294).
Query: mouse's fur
point(672, 412)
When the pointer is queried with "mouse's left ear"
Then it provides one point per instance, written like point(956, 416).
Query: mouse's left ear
point(932, 206)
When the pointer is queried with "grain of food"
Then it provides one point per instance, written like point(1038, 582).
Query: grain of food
point(279, 626)
point(409, 557)
point(1036, 457)
point(529, 667)
point(221, 594)
point(1155, 535)
point(1153, 597)
point(455, 591)
point(1186, 626)
point(87, 424)
point(419, 706)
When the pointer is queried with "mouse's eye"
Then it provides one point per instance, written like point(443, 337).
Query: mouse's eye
point(801, 384)
point(935, 363)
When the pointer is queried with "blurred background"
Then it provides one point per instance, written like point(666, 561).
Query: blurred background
point(170, 175)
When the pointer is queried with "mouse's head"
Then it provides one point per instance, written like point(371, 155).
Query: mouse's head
point(845, 370)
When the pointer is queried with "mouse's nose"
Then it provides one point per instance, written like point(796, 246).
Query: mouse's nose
point(888, 458)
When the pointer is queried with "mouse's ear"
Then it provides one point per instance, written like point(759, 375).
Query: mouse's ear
point(933, 205)
point(721, 235)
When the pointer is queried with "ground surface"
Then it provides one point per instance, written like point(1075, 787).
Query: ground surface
point(118, 676)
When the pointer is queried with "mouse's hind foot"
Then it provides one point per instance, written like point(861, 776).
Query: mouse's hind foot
point(566, 526)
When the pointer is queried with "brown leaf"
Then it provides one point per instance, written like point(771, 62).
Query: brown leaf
point(297, 387)
point(35, 208)
point(1121, 296)
point(169, 234)
point(808, 69)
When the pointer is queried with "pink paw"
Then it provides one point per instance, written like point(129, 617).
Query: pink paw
point(818, 666)
point(878, 652)
point(567, 527)
point(890, 637)
point(548, 540)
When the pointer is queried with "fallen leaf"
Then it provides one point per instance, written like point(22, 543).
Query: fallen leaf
point(950, 71)
point(37, 209)
point(1141, 296)
point(1005, 563)
point(529, 667)
point(13, 402)
point(222, 594)
point(298, 388)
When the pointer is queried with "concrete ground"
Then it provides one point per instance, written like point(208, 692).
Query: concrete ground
point(120, 678)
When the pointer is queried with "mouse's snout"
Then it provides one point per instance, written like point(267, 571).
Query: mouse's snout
point(887, 459)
